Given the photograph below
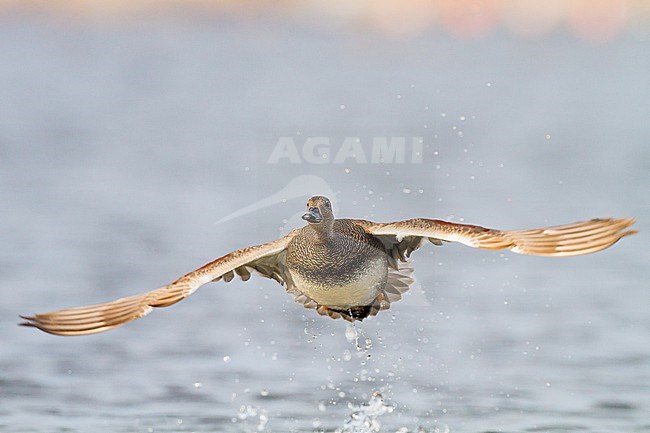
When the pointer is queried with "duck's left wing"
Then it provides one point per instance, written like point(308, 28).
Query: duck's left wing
point(403, 237)
point(267, 259)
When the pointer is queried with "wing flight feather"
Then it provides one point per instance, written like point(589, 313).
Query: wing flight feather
point(265, 259)
point(560, 241)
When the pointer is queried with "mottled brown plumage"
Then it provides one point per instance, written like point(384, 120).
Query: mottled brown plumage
point(340, 267)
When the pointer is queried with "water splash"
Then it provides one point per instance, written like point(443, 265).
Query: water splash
point(261, 416)
point(443, 429)
point(363, 419)
point(355, 334)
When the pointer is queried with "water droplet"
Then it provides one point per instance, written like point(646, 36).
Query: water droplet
point(364, 417)
point(264, 392)
point(198, 385)
point(548, 136)
point(406, 190)
point(342, 106)
point(351, 333)
point(226, 358)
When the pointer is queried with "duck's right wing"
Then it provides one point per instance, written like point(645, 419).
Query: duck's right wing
point(267, 259)
point(403, 237)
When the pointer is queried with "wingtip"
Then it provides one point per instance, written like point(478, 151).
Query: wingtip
point(628, 222)
point(32, 322)
point(28, 321)
point(622, 223)
point(30, 325)
point(629, 233)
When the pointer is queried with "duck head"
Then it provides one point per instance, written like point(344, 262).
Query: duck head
point(319, 210)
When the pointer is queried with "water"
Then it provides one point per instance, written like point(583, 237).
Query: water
point(121, 146)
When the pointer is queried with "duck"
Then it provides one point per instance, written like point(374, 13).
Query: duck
point(342, 268)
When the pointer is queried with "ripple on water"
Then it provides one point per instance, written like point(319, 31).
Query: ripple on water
point(614, 405)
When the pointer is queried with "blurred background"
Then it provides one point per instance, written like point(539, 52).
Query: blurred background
point(139, 140)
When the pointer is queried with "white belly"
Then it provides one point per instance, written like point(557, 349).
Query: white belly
point(360, 292)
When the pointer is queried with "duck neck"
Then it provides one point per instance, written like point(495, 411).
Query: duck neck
point(324, 231)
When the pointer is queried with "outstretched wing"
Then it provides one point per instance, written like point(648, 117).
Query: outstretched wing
point(403, 237)
point(267, 259)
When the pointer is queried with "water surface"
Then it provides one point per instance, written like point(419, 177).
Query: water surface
point(122, 145)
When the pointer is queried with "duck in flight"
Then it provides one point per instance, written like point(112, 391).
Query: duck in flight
point(342, 268)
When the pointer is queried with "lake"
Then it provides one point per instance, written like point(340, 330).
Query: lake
point(133, 152)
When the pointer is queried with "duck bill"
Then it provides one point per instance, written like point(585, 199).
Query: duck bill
point(313, 216)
